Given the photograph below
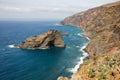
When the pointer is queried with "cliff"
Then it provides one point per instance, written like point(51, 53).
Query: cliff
point(102, 26)
point(46, 40)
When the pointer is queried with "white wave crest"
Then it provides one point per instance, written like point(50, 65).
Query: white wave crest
point(85, 55)
point(77, 46)
point(80, 34)
point(81, 59)
point(12, 46)
point(57, 24)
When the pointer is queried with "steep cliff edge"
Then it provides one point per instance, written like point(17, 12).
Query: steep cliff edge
point(102, 26)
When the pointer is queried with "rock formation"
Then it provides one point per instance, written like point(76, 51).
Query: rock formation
point(46, 40)
point(102, 26)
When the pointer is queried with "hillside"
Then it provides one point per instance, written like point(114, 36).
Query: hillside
point(102, 26)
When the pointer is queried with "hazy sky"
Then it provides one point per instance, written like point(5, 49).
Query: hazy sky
point(44, 9)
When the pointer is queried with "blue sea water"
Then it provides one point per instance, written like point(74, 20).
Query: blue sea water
point(21, 64)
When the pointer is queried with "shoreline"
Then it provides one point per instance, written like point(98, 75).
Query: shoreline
point(84, 56)
point(103, 29)
point(81, 58)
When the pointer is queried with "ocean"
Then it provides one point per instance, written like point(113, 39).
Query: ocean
point(49, 64)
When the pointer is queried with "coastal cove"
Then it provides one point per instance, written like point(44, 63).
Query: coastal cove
point(49, 64)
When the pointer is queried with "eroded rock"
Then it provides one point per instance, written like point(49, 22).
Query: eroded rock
point(43, 41)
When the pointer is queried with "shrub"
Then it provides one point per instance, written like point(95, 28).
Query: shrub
point(101, 76)
point(91, 72)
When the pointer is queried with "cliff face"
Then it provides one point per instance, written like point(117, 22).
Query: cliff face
point(102, 26)
point(43, 41)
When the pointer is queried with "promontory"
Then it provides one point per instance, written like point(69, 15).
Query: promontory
point(102, 26)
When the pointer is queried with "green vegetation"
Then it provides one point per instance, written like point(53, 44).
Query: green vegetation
point(101, 76)
point(91, 72)
point(108, 68)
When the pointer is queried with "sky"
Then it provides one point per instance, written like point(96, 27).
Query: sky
point(45, 9)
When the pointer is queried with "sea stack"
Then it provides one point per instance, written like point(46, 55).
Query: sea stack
point(51, 38)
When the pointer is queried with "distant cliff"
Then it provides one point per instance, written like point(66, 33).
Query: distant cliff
point(102, 26)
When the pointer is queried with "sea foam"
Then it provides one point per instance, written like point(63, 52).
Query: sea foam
point(57, 24)
point(81, 59)
point(79, 34)
point(12, 46)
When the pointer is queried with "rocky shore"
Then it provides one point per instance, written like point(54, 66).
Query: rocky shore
point(102, 26)
point(51, 38)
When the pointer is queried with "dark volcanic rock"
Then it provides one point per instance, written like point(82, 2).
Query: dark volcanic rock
point(46, 40)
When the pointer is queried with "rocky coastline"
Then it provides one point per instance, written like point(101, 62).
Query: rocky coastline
point(51, 38)
point(102, 26)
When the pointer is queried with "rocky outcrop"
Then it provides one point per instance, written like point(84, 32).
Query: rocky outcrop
point(102, 26)
point(46, 40)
